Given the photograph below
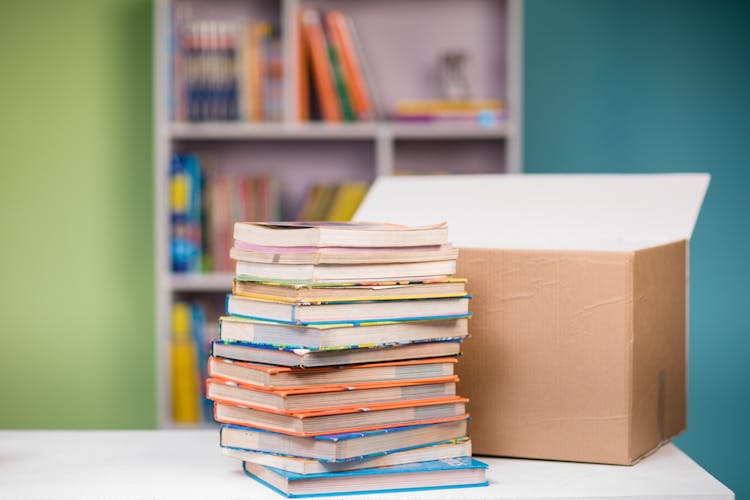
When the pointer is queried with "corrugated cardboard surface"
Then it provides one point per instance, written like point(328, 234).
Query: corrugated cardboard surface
point(659, 405)
point(555, 337)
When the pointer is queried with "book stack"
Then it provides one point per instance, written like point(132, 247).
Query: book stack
point(334, 367)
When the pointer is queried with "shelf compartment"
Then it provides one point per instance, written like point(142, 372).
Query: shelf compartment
point(460, 156)
point(385, 28)
point(297, 164)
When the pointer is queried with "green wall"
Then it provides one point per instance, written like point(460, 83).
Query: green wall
point(663, 86)
point(76, 273)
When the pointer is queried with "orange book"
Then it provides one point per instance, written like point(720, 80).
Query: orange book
point(321, 65)
point(338, 30)
point(322, 398)
point(303, 89)
point(340, 420)
point(258, 33)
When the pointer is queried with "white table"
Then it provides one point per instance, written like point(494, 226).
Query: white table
point(188, 464)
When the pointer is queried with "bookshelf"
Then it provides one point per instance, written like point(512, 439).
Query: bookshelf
point(298, 153)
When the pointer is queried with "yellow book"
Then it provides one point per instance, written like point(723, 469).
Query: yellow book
point(185, 390)
point(347, 200)
point(432, 106)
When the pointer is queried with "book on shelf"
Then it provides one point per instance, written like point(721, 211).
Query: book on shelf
point(235, 197)
point(487, 112)
point(346, 200)
point(204, 202)
point(459, 472)
point(342, 448)
point(359, 418)
point(339, 335)
point(185, 207)
point(333, 75)
point(441, 450)
point(320, 65)
point(340, 32)
point(280, 377)
point(343, 234)
point(224, 70)
point(189, 346)
point(294, 356)
point(361, 312)
point(332, 202)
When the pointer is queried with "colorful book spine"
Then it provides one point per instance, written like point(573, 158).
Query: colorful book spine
point(205, 203)
point(185, 209)
point(340, 33)
point(332, 202)
point(323, 78)
point(185, 378)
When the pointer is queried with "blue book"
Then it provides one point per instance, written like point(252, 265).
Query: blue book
point(459, 472)
point(357, 312)
point(185, 213)
point(341, 448)
point(293, 356)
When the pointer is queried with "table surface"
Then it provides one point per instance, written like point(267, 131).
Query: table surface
point(188, 464)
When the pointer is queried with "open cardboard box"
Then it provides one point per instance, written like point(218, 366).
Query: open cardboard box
point(580, 282)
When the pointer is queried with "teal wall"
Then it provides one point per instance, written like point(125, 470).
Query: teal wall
point(610, 86)
point(663, 86)
point(76, 271)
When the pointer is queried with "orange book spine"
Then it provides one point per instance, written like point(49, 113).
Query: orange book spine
point(258, 33)
point(319, 389)
point(303, 89)
point(321, 66)
point(339, 31)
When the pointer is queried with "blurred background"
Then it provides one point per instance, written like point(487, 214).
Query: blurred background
point(605, 86)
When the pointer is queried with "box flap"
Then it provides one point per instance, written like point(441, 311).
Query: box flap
point(576, 212)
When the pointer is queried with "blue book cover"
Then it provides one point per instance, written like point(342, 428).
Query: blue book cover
point(185, 213)
point(336, 438)
point(438, 474)
point(304, 350)
point(364, 321)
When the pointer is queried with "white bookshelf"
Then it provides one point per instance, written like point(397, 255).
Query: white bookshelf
point(314, 150)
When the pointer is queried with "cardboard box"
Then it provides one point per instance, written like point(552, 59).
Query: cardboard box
point(579, 336)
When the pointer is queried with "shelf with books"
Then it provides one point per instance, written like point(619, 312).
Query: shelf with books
point(411, 56)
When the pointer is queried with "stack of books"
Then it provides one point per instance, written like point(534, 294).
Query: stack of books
point(334, 368)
